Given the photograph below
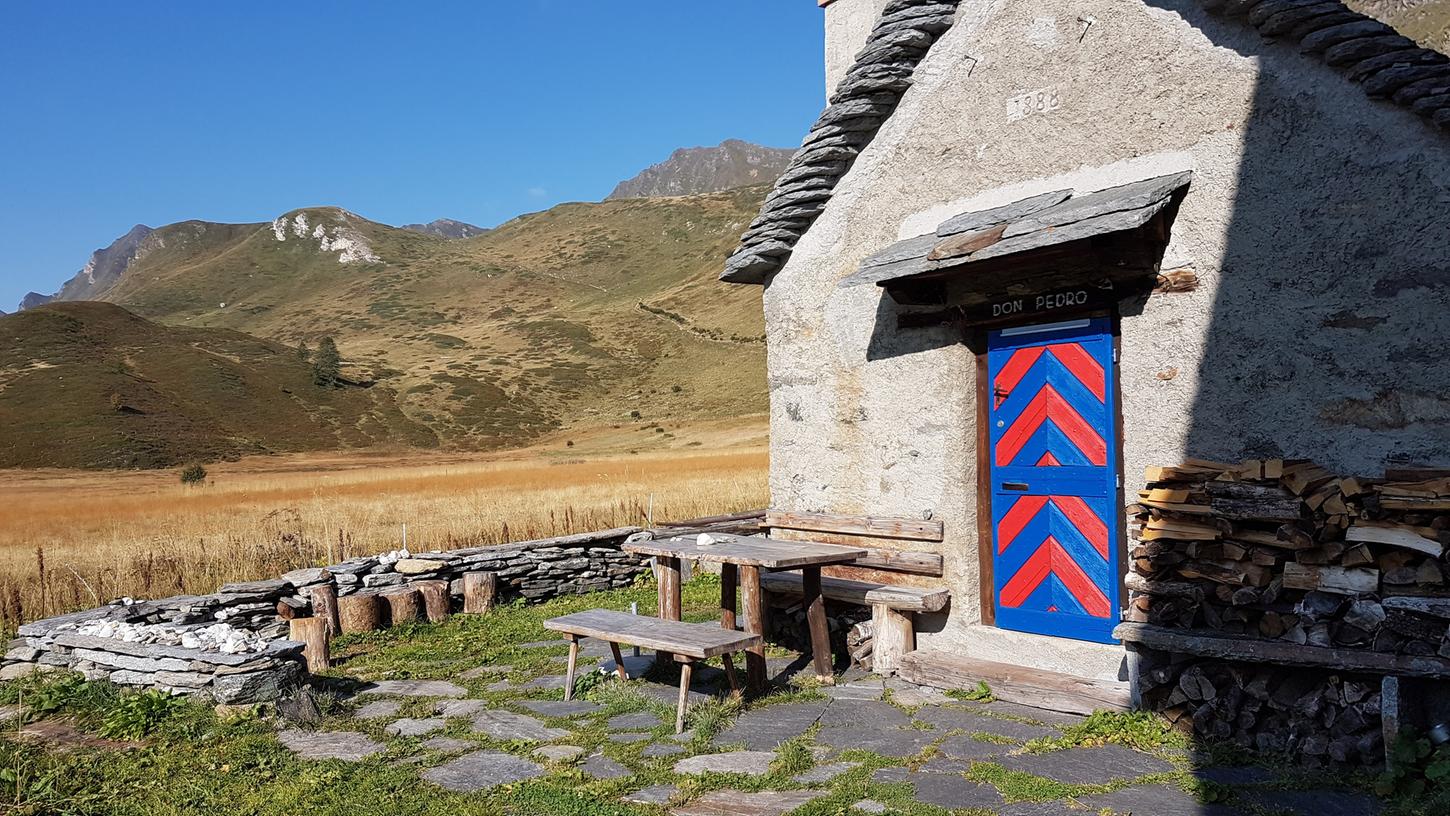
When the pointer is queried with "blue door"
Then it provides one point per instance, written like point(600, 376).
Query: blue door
point(1054, 477)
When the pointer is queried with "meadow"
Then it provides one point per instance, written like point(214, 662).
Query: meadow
point(74, 539)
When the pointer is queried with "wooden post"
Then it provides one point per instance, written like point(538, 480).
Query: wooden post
point(752, 602)
point(816, 618)
point(730, 675)
point(324, 605)
point(573, 664)
point(313, 633)
point(618, 661)
point(405, 605)
point(669, 595)
point(479, 591)
point(686, 669)
point(359, 613)
point(435, 599)
point(894, 636)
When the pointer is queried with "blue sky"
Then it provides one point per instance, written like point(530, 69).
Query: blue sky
point(113, 114)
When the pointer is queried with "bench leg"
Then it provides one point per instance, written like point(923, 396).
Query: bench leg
point(730, 675)
point(894, 636)
point(816, 618)
point(686, 669)
point(573, 664)
point(618, 661)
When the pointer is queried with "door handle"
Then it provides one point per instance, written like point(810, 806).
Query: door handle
point(1014, 486)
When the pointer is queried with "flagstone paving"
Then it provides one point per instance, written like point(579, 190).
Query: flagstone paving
point(931, 743)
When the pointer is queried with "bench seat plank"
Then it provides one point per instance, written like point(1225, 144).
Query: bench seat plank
point(697, 640)
point(865, 593)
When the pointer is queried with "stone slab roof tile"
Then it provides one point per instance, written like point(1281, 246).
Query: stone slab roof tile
point(1387, 66)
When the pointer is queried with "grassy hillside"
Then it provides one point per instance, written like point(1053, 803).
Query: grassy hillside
point(572, 318)
point(92, 385)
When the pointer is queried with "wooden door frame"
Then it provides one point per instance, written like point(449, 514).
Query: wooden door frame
point(976, 339)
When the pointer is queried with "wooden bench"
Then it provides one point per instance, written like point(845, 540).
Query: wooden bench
point(688, 642)
point(893, 607)
point(892, 610)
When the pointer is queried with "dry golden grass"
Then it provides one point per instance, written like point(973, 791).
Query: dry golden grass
point(74, 539)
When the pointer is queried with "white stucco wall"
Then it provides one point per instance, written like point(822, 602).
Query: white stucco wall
point(848, 24)
point(1316, 222)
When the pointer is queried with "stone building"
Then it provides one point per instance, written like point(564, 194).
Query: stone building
point(1031, 248)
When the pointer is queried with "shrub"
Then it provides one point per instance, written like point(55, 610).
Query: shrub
point(634, 414)
point(136, 715)
point(193, 474)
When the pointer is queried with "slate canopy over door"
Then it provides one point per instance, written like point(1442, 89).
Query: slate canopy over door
point(1053, 470)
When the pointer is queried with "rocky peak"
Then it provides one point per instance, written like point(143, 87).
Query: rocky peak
point(446, 228)
point(692, 170)
point(33, 300)
point(331, 228)
point(106, 266)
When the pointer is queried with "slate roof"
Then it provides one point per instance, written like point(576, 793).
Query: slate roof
point(1386, 64)
point(1041, 221)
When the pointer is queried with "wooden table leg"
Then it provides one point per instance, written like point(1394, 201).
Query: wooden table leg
point(729, 580)
point(753, 605)
point(816, 617)
point(669, 596)
point(618, 661)
point(573, 664)
point(730, 675)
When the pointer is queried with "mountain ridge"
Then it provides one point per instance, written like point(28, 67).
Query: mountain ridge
point(694, 170)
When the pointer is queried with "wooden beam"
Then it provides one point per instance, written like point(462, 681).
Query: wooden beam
point(1015, 684)
point(879, 526)
point(1237, 647)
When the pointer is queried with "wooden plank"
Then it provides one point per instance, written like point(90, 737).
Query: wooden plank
point(1015, 684)
point(697, 640)
point(1393, 537)
point(986, 564)
point(879, 526)
point(914, 562)
point(1279, 652)
point(1331, 579)
point(726, 548)
point(864, 593)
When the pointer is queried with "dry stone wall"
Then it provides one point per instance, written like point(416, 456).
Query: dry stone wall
point(246, 658)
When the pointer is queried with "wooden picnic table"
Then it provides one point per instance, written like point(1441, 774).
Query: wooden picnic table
point(741, 560)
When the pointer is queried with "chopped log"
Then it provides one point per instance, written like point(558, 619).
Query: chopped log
point(1212, 644)
point(290, 609)
point(479, 592)
point(405, 605)
point(1168, 589)
point(1237, 500)
point(324, 605)
point(360, 613)
point(894, 637)
point(1331, 579)
point(1393, 536)
point(317, 642)
point(436, 600)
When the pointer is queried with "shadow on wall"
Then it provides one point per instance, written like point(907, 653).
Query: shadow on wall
point(1332, 313)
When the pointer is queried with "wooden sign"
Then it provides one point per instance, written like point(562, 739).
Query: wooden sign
point(1027, 308)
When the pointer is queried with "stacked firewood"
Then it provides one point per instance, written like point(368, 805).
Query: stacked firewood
point(786, 624)
point(1317, 717)
point(1285, 550)
point(860, 642)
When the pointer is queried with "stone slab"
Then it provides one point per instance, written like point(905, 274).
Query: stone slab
point(824, 773)
point(378, 710)
point(956, 719)
point(349, 746)
point(1087, 766)
point(459, 708)
point(864, 715)
point(506, 725)
point(629, 737)
point(854, 692)
point(1161, 800)
point(600, 766)
point(653, 795)
point(955, 792)
point(560, 708)
point(482, 770)
point(752, 763)
point(736, 803)
point(869, 806)
point(765, 728)
point(892, 742)
point(413, 727)
point(548, 682)
point(447, 745)
point(415, 688)
point(964, 746)
point(559, 753)
point(662, 749)
point(484, 671)
point(1235, 774)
